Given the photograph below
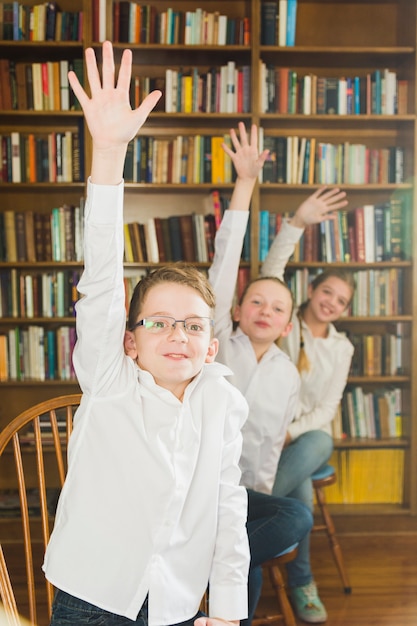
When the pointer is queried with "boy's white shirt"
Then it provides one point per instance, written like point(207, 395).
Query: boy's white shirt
point(330, 357)
point(152, 502)
point(271, 386)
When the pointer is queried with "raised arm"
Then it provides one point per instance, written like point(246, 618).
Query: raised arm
point(248, 163)
point(229, 238)
point(109, 116)
point(317, 208)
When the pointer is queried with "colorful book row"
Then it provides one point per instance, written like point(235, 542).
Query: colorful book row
point(380, 92)
point(366, 234)
point(38, 294)
point(378, 355)
point(38, 86)
point(41, 22)
point(378, 293)
point(31, 236)
point(176, 238)
point(134, 23)
point(278, 22)
point(225, 89)
point(36, 353)
point(56, 157)
point(373, 414)
point(182, 159)
point(306, 160)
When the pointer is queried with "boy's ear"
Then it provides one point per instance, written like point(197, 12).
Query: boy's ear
point(212, 351)
point(130, 345)
point(236, 313)
point(287, 330)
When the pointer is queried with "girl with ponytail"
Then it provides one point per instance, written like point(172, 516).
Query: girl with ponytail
point(323, 357)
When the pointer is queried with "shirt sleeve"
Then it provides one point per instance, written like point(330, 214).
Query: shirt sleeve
point(323, 413)
point(281, 250)
point(224, 269)
point(228, 578)
point(101, 313)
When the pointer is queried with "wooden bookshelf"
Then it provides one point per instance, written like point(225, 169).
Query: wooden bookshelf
point(333, 39)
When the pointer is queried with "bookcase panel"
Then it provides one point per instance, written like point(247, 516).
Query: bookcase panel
point(355, 23)
point(334, 39)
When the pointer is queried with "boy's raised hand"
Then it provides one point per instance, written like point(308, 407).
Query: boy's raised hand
point(246, 158)
point(319, 207)
point(110, 118)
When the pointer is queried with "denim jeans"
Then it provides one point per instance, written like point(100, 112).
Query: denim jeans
point(273, 525)
point(298, 461)
point(70, 611)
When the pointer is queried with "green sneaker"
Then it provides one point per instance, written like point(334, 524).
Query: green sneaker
point(307, 604)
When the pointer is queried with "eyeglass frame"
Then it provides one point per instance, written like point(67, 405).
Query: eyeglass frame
point(142, 322)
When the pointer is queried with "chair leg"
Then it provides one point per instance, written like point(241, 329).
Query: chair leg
point(277, 582)
point(334, 544)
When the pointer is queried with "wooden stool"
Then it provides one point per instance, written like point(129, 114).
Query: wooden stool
point(285, 615)
point(325, 477)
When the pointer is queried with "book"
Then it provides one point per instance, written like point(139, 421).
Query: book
point(10, 231)
point(175, 238)
point(291, 22)
point(187, 238)
point(282, 26)
point(269, 17)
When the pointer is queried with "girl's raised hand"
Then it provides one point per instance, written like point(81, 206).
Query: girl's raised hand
point(246, 158)
point(320, 206)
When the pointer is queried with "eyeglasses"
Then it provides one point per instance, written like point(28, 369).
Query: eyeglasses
point(163, 324)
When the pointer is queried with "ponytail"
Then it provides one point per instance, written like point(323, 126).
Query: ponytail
point(303, 364)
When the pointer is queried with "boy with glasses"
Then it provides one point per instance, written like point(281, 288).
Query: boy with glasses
point(151, 510)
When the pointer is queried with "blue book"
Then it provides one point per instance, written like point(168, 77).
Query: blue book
point(50, 349)
point(376, 87)
point(291, 22)
point(263, 234)
point(357, 95)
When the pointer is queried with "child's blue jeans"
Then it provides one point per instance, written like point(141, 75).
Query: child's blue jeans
point(70, 611)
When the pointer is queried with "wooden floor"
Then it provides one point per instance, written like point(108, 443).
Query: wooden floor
point(382, 562)
point(382, 566)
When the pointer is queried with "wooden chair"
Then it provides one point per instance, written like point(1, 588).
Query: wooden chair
point(37, 442)
point(285, 614)
point(323, 478)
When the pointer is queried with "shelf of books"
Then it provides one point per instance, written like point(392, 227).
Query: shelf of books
point(335, 104)
point(42, 182)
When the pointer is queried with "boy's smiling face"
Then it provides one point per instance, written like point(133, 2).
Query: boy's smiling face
point(174, 357)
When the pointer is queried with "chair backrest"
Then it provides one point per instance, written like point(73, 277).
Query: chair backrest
point(33, 459)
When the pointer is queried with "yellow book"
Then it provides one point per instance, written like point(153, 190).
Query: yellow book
point(4, 358)
point(217, 160)
point(128, 245)
point(187, 91)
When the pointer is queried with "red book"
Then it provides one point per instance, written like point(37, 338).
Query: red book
point(160, 239)
point(283, 74)
point(217, 207)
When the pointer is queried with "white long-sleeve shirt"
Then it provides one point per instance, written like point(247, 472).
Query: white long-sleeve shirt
point(330, 357)
point(270, 386)
point(152, 502)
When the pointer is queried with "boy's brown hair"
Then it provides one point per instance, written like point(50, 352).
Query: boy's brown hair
point(180, 273)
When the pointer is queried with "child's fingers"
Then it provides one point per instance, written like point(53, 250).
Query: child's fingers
point(78, 89)
point(146, 107)
point(125, 71)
